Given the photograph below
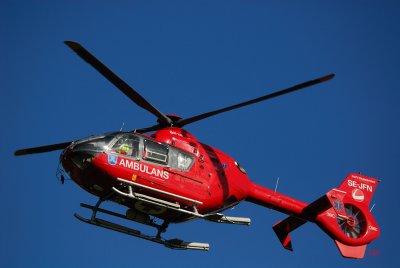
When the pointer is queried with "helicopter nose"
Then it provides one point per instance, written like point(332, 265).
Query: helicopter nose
point(82, 159)
point(82, 154)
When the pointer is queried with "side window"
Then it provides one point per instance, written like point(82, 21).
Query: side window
point(180, 160)
point(127, 145)
point(155, 152)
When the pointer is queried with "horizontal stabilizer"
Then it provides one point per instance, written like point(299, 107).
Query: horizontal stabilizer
point(283, 228)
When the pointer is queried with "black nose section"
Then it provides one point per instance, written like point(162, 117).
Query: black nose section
point(86, 146)
point(82, 152)
point(82, 159)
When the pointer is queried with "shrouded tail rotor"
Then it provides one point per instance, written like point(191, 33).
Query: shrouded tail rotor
point(354, 225)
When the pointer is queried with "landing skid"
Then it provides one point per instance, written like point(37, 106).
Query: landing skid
point(126, 190)
point(172, 243)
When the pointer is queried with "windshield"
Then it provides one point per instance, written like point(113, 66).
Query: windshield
point(97, 143)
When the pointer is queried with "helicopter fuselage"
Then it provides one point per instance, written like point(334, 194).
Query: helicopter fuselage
point(171, 165)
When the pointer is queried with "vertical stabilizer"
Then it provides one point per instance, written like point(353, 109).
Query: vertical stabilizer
point(360, 187)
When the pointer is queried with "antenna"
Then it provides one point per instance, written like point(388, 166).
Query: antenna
point(276, 185)
point(123, 124)
point(372, 207)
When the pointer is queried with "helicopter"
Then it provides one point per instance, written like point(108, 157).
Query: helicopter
point(168, 177)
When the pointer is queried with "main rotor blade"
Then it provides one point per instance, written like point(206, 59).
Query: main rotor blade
point(43, 149)
point(182, 122)
point(118, 82)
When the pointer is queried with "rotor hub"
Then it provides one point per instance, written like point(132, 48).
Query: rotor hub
point(351, 221)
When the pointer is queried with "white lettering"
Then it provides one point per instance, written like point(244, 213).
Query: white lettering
point(363, 179)
point(361, 186)
point(373, 228)
point(142, 168)
point(175, 133)
point(163, 174)
point(129, 164)
point(136, 166)
point(122, 163)
point(331, 215)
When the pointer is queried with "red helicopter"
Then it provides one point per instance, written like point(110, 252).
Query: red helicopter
point(171, 177)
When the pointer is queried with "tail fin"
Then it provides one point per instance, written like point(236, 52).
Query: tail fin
point(342, 213)
point(360, 187)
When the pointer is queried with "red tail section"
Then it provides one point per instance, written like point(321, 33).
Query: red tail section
point(342, 213)
point(357, 226)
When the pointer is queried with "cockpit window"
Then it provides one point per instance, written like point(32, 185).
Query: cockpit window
point(94, 143)
point(128, 145)
point(180, 160)
point(155, 152)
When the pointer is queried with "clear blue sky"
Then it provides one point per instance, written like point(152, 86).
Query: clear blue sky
point(189, 57)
